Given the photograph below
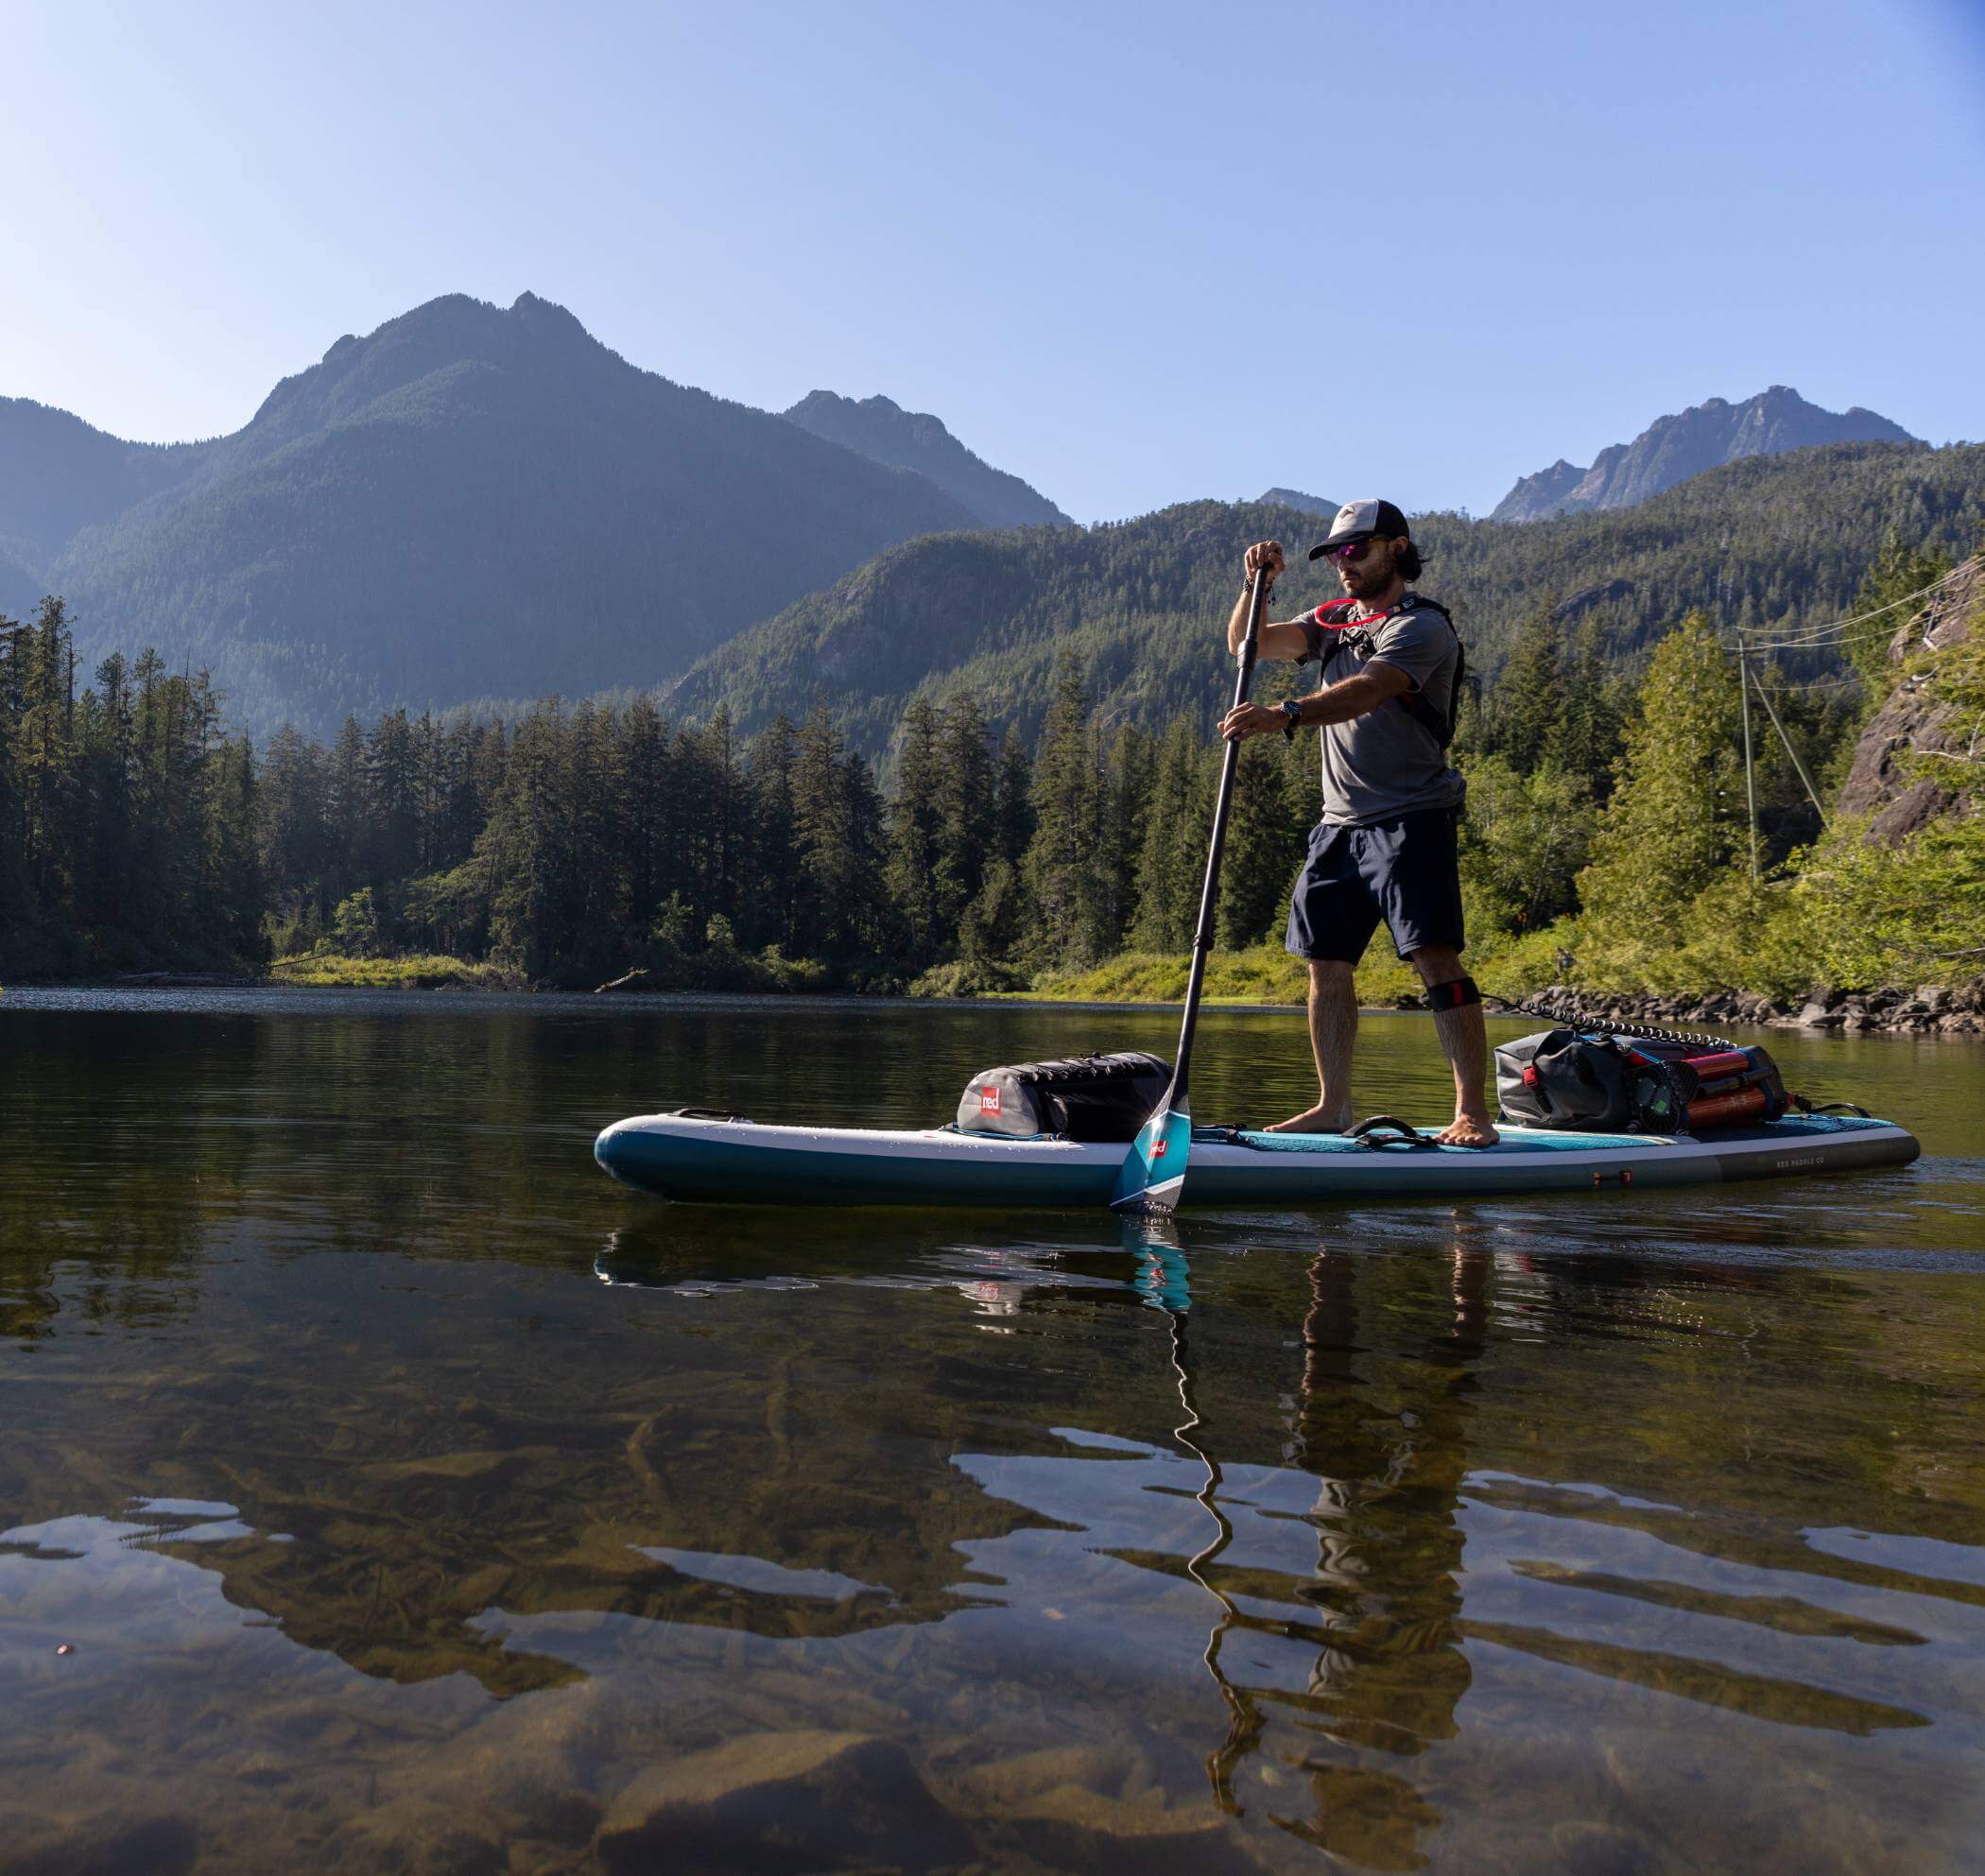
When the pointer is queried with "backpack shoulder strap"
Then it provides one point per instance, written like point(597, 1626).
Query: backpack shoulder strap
point(1415, 704)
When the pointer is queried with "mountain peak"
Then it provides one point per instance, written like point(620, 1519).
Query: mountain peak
point(468, 495)
point(1297, 499)
point(879, 427)
point(1673, 448)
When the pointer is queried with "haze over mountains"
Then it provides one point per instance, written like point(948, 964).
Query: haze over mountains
point(1764, 542)
point(476, 503)
point(880, 428)
point(1673, 448)
point(468, 501)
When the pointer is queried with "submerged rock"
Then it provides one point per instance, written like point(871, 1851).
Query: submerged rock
point(782, 1801)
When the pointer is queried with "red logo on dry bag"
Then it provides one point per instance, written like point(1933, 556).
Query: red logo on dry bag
point(1158, 1151)
point(989, 1100)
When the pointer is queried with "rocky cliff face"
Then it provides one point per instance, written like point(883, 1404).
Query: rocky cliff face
point(1671, 449)
point(1880, 784)
point(1547, 493)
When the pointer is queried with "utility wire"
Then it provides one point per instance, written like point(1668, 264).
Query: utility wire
point(1810, 637)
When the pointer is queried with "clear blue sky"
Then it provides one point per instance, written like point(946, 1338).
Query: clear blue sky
point(1135, 253)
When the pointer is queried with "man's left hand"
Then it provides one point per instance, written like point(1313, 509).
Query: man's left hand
point(1251, 719)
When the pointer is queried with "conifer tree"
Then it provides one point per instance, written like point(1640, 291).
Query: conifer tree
point(234, 892)
point(391, 838)
point(1172, 868)
point(641, 762)
point(528, 844)
point(1017, 799)
point(595, 811)
point(915, 873)
point(292, 831)
point(770, 908)
point(347, 809)
point(967, 796)
point(1061, 857)
point(1126, 799)
point(15, 911)
point(871, 923)
point(718, 787)
point(827, 908)
point(1677, 813)
point(1526, 723)
point(1593, 717)
point(1265, 845)
point(105, 754)
point(43, 762)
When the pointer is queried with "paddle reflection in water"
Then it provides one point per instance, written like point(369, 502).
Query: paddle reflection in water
point(1387, 1671)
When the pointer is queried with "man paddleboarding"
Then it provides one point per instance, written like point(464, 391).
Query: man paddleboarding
point(1386, 846)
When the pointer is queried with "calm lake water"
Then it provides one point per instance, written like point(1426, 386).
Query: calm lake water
point(382, 1487)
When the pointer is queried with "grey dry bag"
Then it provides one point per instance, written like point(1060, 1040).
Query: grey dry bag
point(1083, 1097)
point(1562, 1079)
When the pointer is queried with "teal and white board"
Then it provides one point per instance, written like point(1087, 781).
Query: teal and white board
point(732, 1161)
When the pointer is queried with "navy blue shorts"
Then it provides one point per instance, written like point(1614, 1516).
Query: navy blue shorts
point(1404, 871)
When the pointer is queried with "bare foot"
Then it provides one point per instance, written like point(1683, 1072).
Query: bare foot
point(1313, 1120)
point(1468, 1130)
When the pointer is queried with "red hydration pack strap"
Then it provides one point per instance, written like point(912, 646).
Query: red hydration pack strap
point(1334, 616)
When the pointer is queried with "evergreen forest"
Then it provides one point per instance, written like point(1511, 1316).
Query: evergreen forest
point(1768, 547)
point(1610, 842)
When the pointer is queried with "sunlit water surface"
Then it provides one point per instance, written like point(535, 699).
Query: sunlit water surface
point(383, 1488)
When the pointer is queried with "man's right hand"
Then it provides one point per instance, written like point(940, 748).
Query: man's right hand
point(1266, 555)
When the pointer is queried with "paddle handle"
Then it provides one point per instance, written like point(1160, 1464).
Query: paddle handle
point(1210, 893)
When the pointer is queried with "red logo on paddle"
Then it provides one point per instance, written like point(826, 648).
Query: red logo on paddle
point(989, 1100)
point(1158, 1151)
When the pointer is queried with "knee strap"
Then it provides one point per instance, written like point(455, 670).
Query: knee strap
point(1457, 995)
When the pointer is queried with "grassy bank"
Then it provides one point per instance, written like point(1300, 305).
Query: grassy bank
point(1267, 973)
point(328, 969)
point(1263, 974)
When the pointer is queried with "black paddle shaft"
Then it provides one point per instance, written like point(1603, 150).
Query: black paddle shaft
point(1209, 897)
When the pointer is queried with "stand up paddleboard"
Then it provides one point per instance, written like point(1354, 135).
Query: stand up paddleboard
point(728, 1161)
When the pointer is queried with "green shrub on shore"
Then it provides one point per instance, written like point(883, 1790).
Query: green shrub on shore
point(327, 969)
point(1912, 914)
point(967, 977)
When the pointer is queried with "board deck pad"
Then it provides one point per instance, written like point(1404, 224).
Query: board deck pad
point(710, 1159)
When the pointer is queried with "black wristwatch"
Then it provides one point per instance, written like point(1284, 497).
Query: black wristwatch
point(1292, 710)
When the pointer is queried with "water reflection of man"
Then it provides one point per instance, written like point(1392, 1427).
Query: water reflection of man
point(1388, 1674)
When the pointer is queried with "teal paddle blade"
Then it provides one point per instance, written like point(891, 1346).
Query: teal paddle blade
point(1153, 1172)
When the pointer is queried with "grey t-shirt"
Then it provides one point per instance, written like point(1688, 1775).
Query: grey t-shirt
point(1386, 762)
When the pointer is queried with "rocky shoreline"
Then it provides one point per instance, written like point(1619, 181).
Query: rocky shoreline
point(1935, 1010)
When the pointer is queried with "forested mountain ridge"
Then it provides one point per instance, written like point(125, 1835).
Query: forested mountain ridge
point(470, 499)
point(59, 475)
point(880, 428)
point(1767, 542)
point(1673, 448)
